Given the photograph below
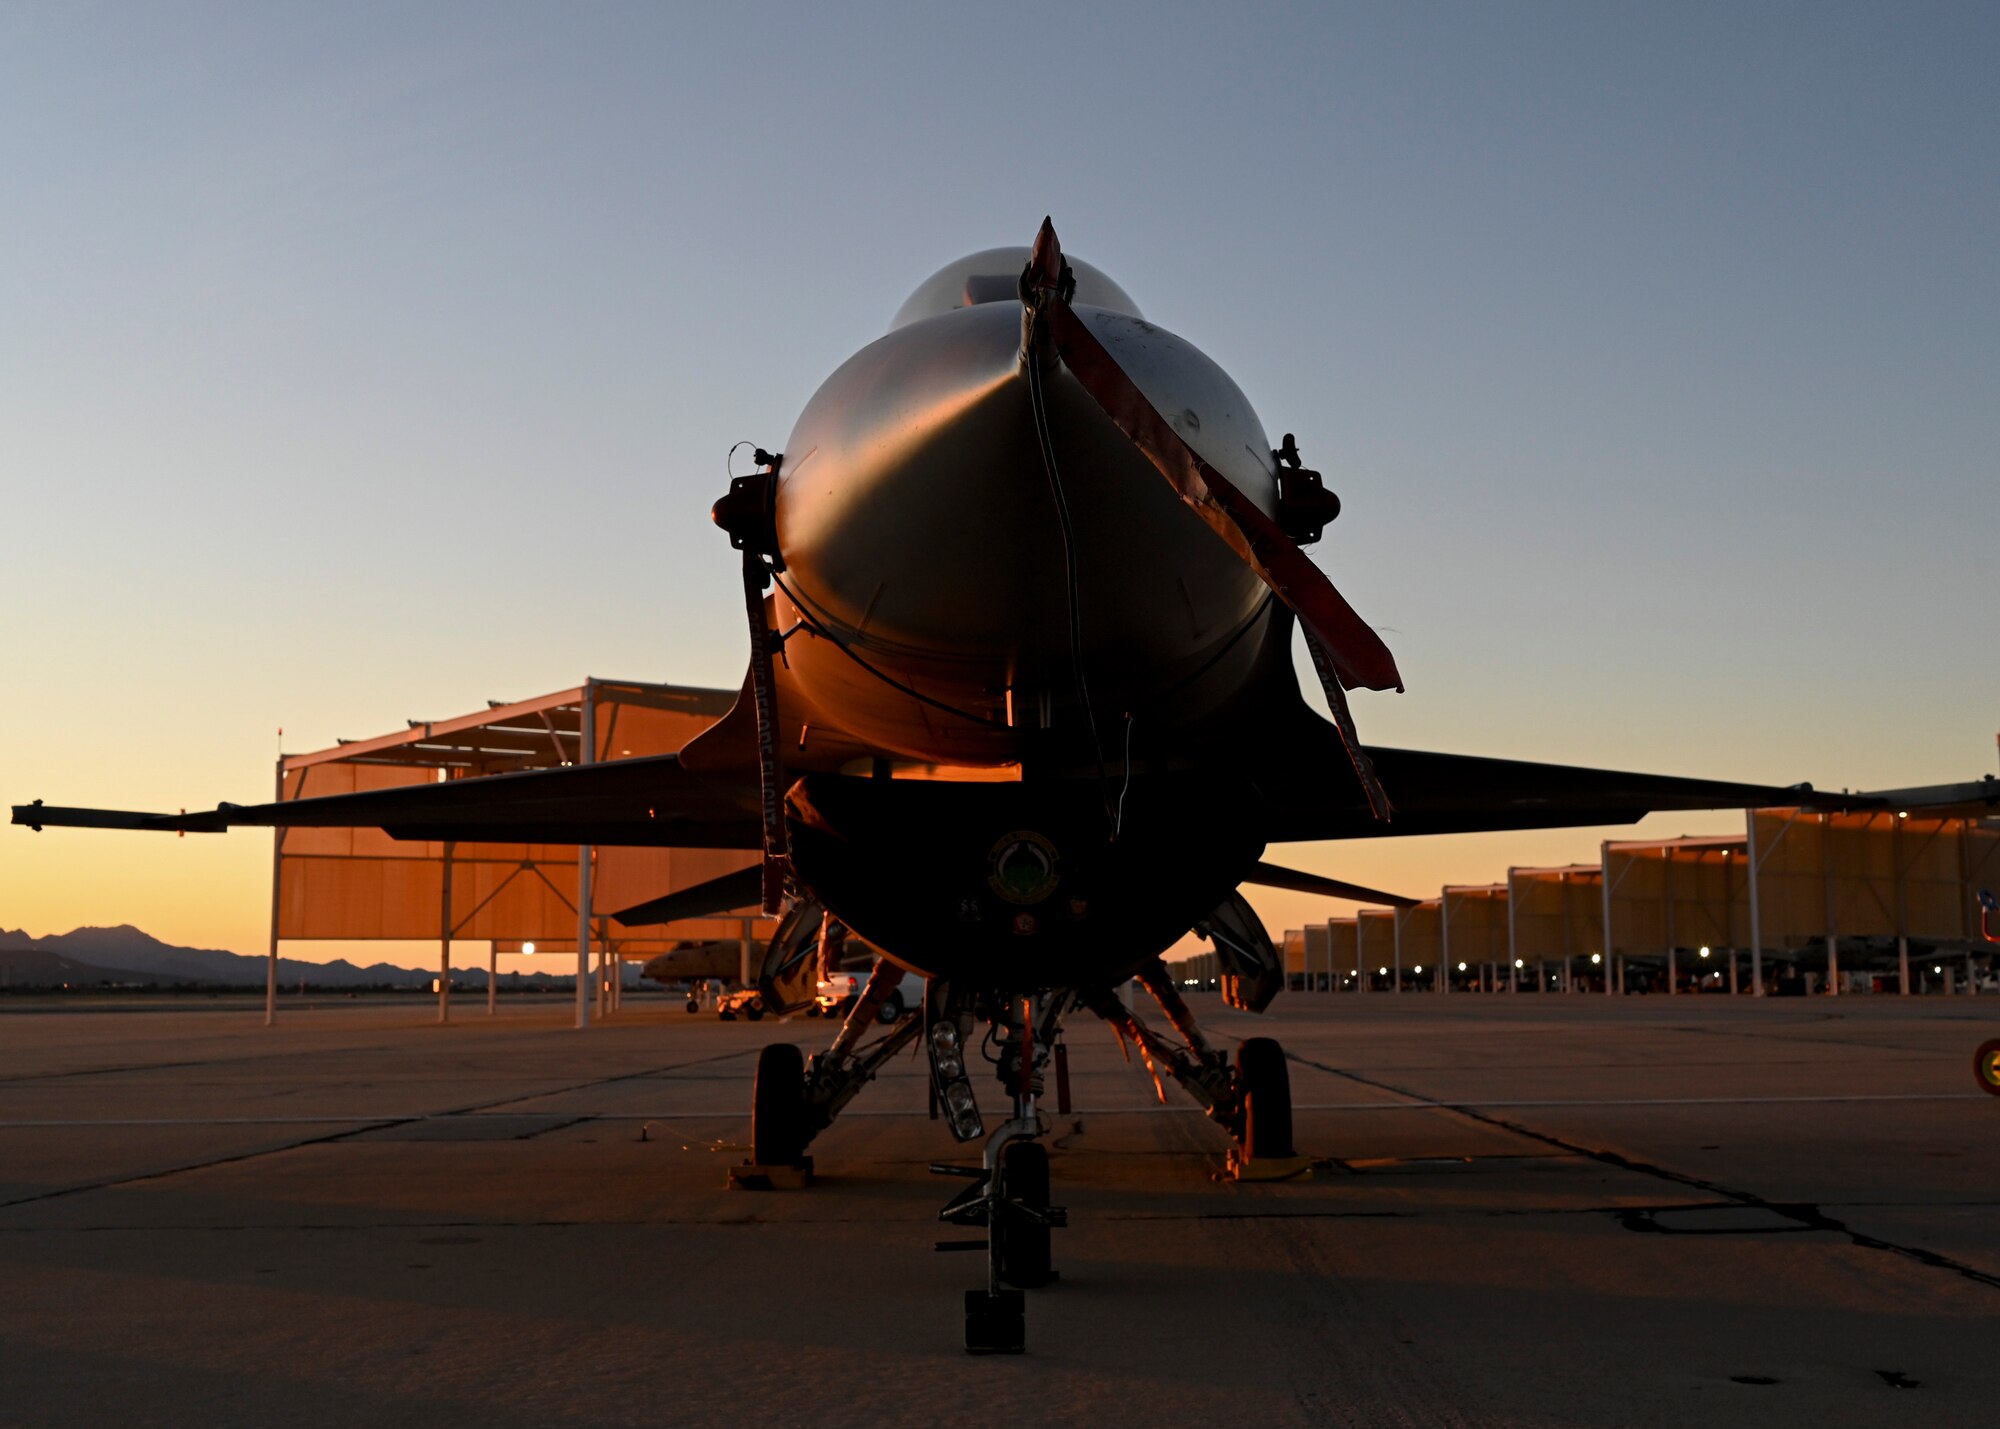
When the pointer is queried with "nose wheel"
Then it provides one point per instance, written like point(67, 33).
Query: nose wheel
point(1009, 1196)
point(1021, 1241)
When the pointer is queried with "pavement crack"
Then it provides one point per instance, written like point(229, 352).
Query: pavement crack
point(531, 1134)
point(345, 1133)
point(1808, 1216)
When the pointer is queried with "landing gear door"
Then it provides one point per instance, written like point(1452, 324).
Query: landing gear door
point(788, 972)
point(1253, 970)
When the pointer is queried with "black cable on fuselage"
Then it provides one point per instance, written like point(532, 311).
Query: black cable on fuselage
point(1038, 402)
point(820, 628)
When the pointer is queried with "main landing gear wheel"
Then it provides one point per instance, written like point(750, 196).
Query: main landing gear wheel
point(1021, 1246)
point(1267, 1100)
point(778, 1107)
point(1986, 1066)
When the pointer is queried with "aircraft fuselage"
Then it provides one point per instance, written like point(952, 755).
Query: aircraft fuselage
point(919, 531)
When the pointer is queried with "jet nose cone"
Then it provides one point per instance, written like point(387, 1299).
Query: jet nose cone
point(1045, 260)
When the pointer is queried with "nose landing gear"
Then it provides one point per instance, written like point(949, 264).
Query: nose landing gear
point(1009, 1190)
point(1007, 1194)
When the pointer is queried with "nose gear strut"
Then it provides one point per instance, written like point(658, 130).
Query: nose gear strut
point(1009, 1190)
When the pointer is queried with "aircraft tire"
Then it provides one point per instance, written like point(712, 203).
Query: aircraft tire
point(1986, 1066)
point(778, 1106)
point(1267, 1099)
point(1021, 1248)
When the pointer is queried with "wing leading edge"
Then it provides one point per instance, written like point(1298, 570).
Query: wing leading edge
point(651, 802)
point(1459, 793)
point(658, 802)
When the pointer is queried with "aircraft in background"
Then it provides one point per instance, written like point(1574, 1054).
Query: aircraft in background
point(1021, 711)
point(750, 974)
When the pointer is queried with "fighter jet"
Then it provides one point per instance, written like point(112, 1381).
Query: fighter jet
point(729, 961)
point(1038, 549)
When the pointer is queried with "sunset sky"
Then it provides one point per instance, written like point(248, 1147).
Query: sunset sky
point(367, 362)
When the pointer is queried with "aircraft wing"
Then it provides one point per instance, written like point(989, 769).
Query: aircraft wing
point(653, 802)
point(1458, 793)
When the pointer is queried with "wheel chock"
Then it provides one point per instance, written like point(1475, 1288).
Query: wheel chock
point(996, 1322)
point(1268, 1168)
point(749, 1176)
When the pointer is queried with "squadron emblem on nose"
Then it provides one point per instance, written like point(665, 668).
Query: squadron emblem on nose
point(1021, 867)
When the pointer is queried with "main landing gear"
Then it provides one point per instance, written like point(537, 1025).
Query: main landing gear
point(1008, 1193)
point(1251, 1099)
point(794, 1101)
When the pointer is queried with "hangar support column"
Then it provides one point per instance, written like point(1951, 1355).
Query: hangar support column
point(1444, 943)
point(1673, 966)
point(1896, 860)
point(586, 755)
point(1610, 961)
point(1756, 924)
point(1828, 845)
point(444, 941)
point(277, 881)
point(1513, 932)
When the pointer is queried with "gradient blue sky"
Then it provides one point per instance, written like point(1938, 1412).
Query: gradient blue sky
point(364, 362)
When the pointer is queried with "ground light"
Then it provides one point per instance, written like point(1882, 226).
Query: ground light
point(1461, 967)
point(528, 948)
point(1704, 952)
point(1597, 957)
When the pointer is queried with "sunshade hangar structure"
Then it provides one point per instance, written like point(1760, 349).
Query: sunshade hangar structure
point(337, 882)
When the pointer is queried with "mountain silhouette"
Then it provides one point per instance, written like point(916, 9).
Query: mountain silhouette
point(125, 954)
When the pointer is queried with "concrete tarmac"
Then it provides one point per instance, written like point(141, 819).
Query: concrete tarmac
point(1535, 1210)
